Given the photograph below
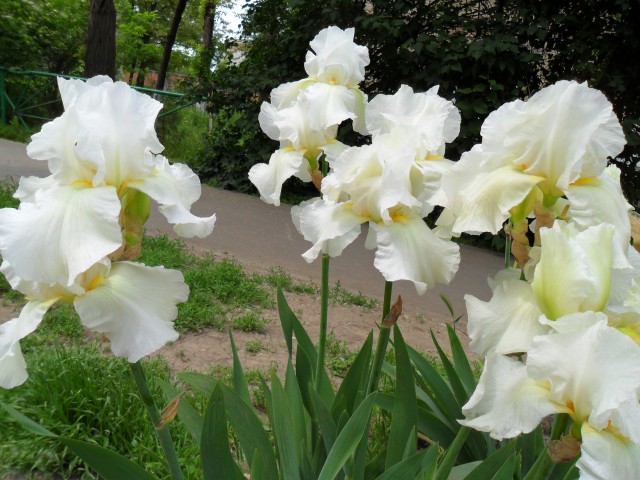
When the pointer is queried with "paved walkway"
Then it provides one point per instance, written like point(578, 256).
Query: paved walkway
point(262, 236)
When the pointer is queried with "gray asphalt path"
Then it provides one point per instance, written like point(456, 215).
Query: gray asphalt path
point(262, 235)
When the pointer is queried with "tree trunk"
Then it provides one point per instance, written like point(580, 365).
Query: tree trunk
point(168, 46)
point(203, 62)
point(207, 26)
point(101, 40)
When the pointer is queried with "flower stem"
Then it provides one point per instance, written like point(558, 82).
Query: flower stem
point(507, 248)
point(324, 309)
point(164, 436)
point(383, 340)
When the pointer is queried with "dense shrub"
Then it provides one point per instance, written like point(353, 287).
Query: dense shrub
point(480, 53)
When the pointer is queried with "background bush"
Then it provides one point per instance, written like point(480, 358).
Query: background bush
point(482, 54)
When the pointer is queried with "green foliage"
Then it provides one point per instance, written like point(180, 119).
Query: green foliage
point(339, 294)
point(170, 253)
point(278, 277)
point(142, 27)
point(254, 346)
point(33, 38)
point(339, 357)
point(182, 133)
point(232, 285)
point(14, 131)
point(482, 54)
point(229, 148)
point(250, 322)
point(80, 393)
point(60, 324)
point(7, 189)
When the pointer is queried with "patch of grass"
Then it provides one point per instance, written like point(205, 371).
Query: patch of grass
point(202, 310)
point(339, 294)
point(250, 322)
point(254, 346)
point(278, 277)
point(339, 357)
point(232, 285)
point(78, 392)
point(161, 250)
point(15, 131)
point(61, 324)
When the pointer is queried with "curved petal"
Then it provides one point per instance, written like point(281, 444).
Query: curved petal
point(507, 323)
point(175, 188)
point(506, 402)
point(409, 250)
point(480, 197)
point(285, 95)
point(336, 58)
point(600, 200)
point(308, 123)
point(624, 281)
point(574, 271)
point(329, 226)
point(333, 149)
point(268, 178)
point(13, 368)
point(563, 132)
point(331, 104)
point(135, 307)
point(102, 136)
point(66, 231)
point(574, 322)
point(29, 187)
point(267, 118)
point(41, 291)
point(360, 104)
point(432, 172)
point(606, 455)
point(592, 371)
point(435, 120)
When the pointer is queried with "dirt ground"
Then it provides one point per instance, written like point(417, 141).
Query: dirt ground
point(200, 350)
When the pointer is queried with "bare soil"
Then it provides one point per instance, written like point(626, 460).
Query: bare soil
point(200, 350)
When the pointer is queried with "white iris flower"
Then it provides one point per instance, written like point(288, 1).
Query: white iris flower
point(553, 145)
point(576, 272)
point(379, 184)
point(593, 375)
point(304, 116)
point(132, 304)
point(99, 150)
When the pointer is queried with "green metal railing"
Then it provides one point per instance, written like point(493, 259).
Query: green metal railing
point(32, 97)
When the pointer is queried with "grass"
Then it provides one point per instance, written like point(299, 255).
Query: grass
point(254, 346)
point(15, 131)
point(278, 277)
point(250, 322)
point(339, 357)
point(78, 392)
point(338, 294)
